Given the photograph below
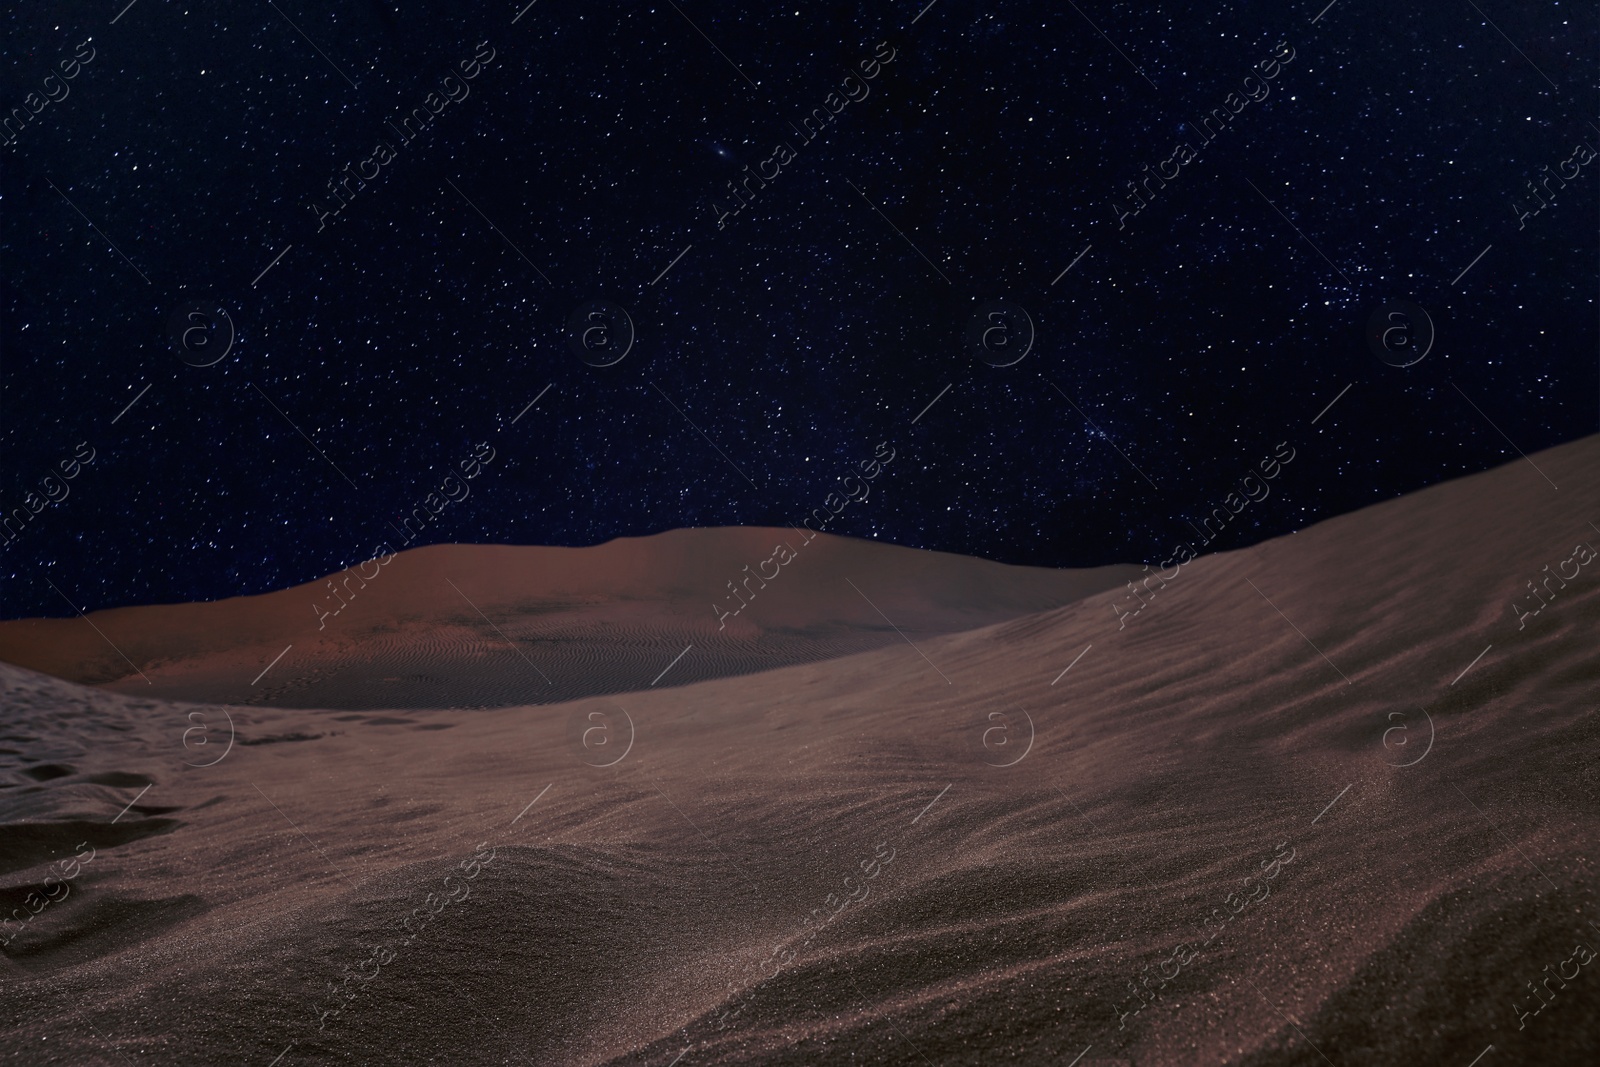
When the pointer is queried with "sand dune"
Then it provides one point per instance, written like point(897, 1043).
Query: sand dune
point(495, 625)
point(832, 861)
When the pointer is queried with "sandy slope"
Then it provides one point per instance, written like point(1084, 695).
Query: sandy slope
point(495, 625)
point(627, 910)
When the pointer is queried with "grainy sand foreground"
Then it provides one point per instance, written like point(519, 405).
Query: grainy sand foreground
point(1211, 852)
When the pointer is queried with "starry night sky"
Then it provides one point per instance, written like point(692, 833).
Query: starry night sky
point(589, 160)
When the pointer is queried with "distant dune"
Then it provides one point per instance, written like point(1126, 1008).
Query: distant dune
point(491, 625)
point(1330, 800)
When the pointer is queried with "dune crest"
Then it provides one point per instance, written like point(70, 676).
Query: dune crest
point(428, 626)
point(1322, 801)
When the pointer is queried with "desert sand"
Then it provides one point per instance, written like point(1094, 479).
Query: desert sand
point(1331, 799)
point(494, 625)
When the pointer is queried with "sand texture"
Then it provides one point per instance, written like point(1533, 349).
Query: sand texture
point(496, 625)
point(1324, 801)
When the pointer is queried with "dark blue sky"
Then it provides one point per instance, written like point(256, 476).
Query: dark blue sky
point(187, 163)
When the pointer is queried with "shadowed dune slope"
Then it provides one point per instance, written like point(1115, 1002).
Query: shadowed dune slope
point(493, 625)
point(1328, 800)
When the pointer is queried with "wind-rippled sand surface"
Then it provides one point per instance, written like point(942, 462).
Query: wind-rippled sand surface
point(822, 862)
point(495, 625)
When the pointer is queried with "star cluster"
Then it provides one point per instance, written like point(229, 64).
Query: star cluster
point(269, 386)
